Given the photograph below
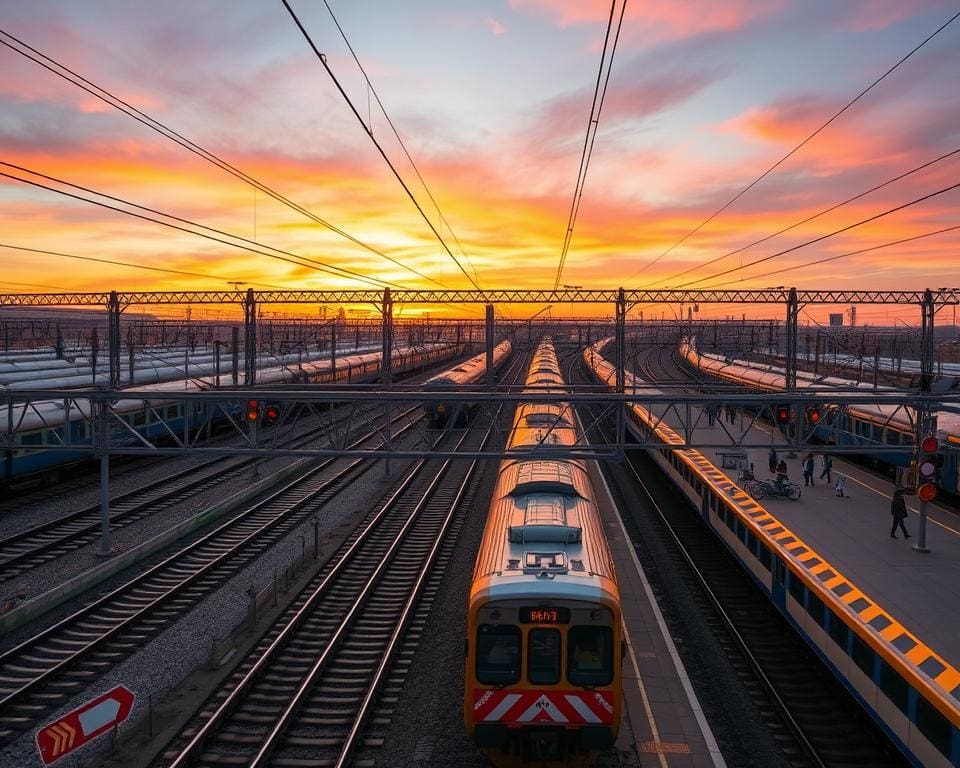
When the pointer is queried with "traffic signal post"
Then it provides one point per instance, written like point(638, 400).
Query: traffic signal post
point(928, 459)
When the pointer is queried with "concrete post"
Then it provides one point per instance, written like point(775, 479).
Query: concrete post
point(387, 369)
point(235, 355)
point(113, 338)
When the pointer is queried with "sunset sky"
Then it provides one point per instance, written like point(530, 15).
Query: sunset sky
point(492, 101)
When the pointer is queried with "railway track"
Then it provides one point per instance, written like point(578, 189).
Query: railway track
point(45, 671)
point(811, 719)
point(307, 693)
point(309, 687)
point(36, 546)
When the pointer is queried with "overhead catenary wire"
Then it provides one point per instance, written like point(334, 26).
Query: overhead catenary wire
point(396, 133)
point(66, 73)
point(291, 258)
point(114, 262)
point(821, 238)
point(593, 123)
point(799, 146)
point(383, 154)
point(817, 215)
point(839, 256)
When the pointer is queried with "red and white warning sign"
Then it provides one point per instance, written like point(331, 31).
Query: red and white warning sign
point(81, 726)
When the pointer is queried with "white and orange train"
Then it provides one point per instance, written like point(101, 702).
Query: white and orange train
point(910, 690)
point(543, 678)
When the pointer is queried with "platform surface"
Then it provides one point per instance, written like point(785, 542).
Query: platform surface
point(661, 713)
point(920, 590)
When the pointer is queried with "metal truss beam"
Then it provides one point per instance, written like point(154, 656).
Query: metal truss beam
point(687, 414)
point(571, 296)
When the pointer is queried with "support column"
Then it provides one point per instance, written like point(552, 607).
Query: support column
point(94, 351)
point(926, 341)
point(235, 354)
point(250, 338)
point(790, 353)
point(490, 344)
point(113, 338)
point(621, 358)
point(333, 345)
point(387, 371)
point(101, 431)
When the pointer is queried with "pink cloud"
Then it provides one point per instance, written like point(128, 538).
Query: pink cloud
point(494, 26)
point(658, 19)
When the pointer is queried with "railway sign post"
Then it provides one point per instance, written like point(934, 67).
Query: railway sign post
point(85, 723)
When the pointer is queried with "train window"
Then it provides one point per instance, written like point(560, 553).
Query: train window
point(765, 557)
point(543, 661)
point(797, 588)
point(863, 656)
point(934, 726)
point(839, 631)
point(590, 655)
point(815, 608)
point(894, 686)
point(498, 653)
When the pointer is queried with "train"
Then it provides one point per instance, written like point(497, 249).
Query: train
point(443, 412)
point(542, 680)
point(61, 425)
point(862, 426)
point(905, 686)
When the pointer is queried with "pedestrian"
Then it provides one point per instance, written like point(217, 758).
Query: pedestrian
point(808, 469)
point(838, 487)
point(898, 508)
point(826, 467)
point(772, 460)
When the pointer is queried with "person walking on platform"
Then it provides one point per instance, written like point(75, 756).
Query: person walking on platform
point(826, 467)
point(898, 508)
point(808, 469)
point(772, 460)
point(838, 487)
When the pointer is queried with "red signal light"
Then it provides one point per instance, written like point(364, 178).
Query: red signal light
point(253, 410)
point(930, 444)
point(927, 492)
point(783, 414)
point(271, 413)
point(813, 415)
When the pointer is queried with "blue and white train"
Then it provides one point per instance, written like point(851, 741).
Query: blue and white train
point(57, 425)
point(861, 426)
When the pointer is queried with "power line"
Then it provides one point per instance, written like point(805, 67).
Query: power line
point(396, 133)
point(34, 285)
point(323, 61)
point(814, 216)
point(840, 256)
point(311, 263)
point(114, 262)
point(593, 123)
point(116, 102)
point(822, 237)
point(799, 146)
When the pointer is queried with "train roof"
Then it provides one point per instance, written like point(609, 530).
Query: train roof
point(544, 537)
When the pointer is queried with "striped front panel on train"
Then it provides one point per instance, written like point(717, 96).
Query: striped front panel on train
point(517, 708)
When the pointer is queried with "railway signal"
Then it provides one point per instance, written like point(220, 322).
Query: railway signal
point(928, 462)
point(271, 413)
point(253, 410)
point(783, 414)
point(813, 415)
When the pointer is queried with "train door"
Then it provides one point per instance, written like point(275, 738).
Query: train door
point(779, 584)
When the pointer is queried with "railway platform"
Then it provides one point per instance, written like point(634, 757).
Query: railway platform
point(663, 722)
point(852, 534)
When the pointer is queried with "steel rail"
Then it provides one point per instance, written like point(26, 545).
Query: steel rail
point(250, 530)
